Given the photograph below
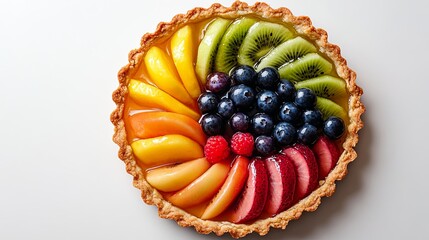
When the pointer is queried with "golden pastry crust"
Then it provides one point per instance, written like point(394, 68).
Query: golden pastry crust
point(303, 26)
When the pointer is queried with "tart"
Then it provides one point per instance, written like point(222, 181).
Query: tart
point(236, 119)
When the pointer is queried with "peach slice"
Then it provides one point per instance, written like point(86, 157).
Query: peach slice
point(155, 124)
point(230, 189)
point(175, 177)
point(203, 188)
point(166, 149)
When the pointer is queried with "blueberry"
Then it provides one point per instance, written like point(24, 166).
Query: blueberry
point(212, 124)
point(207, 102)
point(290, 113)
point(226, 108)
point(313, 117)
point(284, 133)
point(218, 82)
point(307, 134)
point(264, 145)
point(239, 122)
point(243, 96)
point(305, 98)
point(334, 127)
point(244, 75)
point(267, 101)
point(262, 124)
point(286, 90)
point(268, 78)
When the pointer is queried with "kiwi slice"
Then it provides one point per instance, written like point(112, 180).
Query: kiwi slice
point(286, 52)
point(208, 47)
point(309, 66)
point(261, 38)
point(325, 86)
point(330, 108)
point(226, 57)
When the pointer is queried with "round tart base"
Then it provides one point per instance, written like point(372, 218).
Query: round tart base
point(303, 26)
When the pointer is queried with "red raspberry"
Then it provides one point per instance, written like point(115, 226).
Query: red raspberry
point(242, 143)
point(216, 149)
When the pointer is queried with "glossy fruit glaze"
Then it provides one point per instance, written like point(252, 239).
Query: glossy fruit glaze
point(148, 123)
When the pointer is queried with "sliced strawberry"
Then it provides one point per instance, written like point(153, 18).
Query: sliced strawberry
point(327, 154)
point(306, 169)
point(252, 200)
point(282, 180)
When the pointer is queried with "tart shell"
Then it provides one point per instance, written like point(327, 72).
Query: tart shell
point(302, 25)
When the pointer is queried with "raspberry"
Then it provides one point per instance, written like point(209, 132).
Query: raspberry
point(242, 143)
point(216, 149)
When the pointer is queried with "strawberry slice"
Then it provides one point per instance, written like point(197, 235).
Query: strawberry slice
point(252, 200)
point(306, 169)
point(327, 154)
point(282, 180)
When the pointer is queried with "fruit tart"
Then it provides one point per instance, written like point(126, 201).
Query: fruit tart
point(236, 119)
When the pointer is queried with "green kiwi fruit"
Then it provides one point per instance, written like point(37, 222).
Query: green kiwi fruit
point(330, 108)
point(286, 52)
point(226, 57)
point(261, 38)
point(208, 47)
point(309, 66)
point(325, 86)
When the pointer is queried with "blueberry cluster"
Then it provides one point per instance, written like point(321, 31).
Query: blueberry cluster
point(263, 104)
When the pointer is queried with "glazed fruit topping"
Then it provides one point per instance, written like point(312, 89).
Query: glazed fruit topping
point(207, 102)
point(212, 124)
point(216, 149)
point(271, 109)
point(282, 181)
point(218, 82)
point(264, 94)
point(334, 127)
point(252, 201)
point(244, 75)
point(268, 78)
point(242, 144)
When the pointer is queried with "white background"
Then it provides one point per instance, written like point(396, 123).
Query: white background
point(60, 177)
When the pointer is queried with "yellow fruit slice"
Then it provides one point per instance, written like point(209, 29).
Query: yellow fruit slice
point(163, 73)
point(182, 52)
point(150, 96)
point(166, 149)
point(203, 188)
point(176, 177)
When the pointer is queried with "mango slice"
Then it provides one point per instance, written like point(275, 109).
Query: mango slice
point(166, 149)
point(150, 96)
point(163, 73)
point(182, 52)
